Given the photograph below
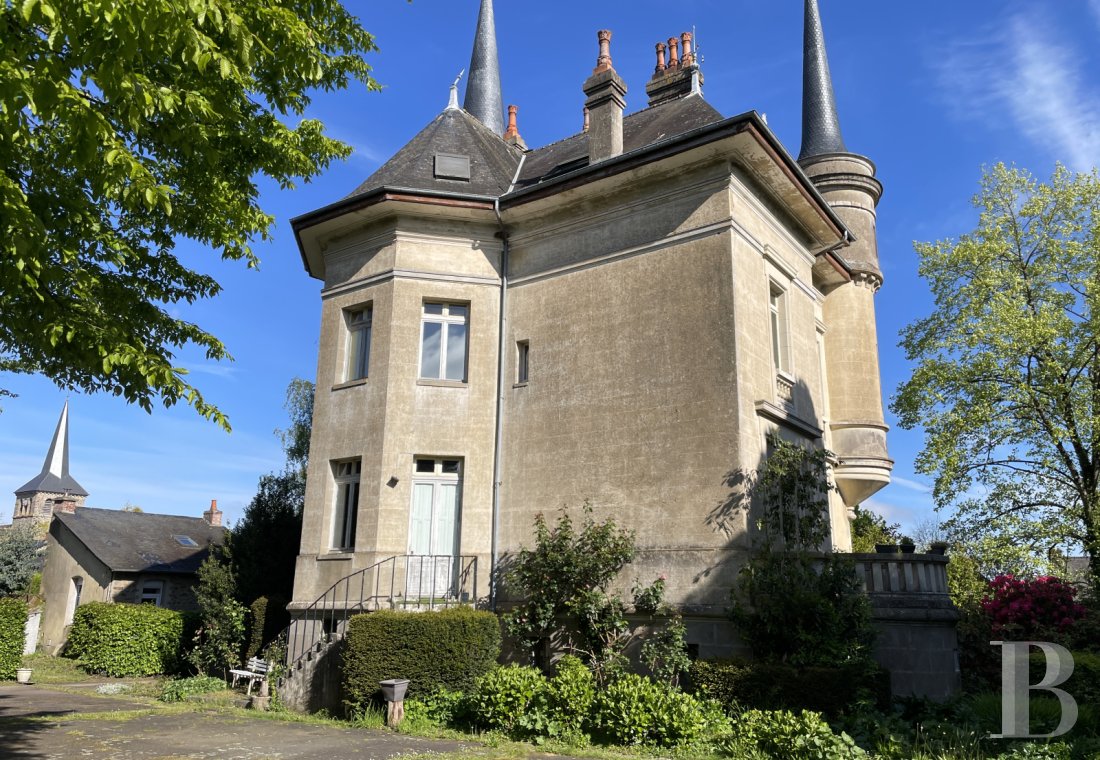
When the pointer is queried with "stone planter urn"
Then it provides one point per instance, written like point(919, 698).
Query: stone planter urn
point(23, 675)
point(886, 548)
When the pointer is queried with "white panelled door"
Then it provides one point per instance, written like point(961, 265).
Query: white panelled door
point(433, 529)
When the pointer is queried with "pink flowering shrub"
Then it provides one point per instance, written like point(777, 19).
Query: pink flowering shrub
point(1038, 609)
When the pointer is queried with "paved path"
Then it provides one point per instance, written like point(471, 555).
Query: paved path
point(175, 736)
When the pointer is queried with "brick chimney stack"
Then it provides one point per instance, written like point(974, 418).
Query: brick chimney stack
point(606, 101)
point(677, 75)
point(66, 504)
point(212, 515)
point(511, 134)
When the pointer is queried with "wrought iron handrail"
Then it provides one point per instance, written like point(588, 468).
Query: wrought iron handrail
point(327, 617)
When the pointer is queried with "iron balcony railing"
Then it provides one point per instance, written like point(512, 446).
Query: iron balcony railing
point(411, 581)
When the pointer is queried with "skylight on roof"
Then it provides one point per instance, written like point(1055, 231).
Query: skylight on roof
point(185, 541)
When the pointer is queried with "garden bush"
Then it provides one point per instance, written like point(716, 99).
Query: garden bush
point(179, 689)
point(1043, 609)
point(783, 735)
point(13, 622)
point(739, 684)
point(513, 699)
point(126, 639)
point(634, 710)
point(267, 619)
point(434, 650)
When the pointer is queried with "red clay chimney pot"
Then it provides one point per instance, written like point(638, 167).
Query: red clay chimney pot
point(603, 63)
point(660, 58)
point(673, 53)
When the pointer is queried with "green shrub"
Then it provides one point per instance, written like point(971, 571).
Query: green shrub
point(13, 623)
point(570, 693)
point(267, 619)
point(775, 686)
point(634, 710)
point(783, 735)
point(179, 689)
point(126, 639)
point(514, 700)
point(1083, 685)
point(434, 650)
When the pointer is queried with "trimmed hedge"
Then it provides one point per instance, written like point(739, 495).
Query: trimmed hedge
point(741, 684)
point(126, 639)
point(13, 624)
point(267, 620)
point(449, 649)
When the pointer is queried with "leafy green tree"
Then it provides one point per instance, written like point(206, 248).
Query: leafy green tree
point(567, 575)
point(267, 539)
point(19, 560)
point(126, 127)
point(870, 528)
point(792, 603)
point(1007, 382)
point(220, 636)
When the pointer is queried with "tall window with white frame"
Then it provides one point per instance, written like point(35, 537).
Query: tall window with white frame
point(346, 476)
point(358, 348)
point(443, 338)
point(777, 308)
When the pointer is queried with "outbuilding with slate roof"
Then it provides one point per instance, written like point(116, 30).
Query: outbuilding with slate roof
point(105, 555)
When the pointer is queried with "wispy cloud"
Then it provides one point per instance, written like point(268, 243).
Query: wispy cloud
point(217, 370)
point(912, 485)
point(1031, 74)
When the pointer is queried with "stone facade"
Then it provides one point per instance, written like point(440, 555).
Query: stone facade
point(639, 307)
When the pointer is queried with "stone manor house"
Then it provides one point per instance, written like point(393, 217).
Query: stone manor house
point(620, 317)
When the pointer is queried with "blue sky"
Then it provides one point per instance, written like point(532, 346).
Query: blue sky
point(930, 91)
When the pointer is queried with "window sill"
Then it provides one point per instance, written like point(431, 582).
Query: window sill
point(336, 555)
point(349, 384)
point(442, 383)
point(520, 385)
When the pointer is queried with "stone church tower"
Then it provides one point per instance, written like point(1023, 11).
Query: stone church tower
point(53, 488)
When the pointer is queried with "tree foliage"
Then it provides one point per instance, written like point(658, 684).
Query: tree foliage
point(267, 539)
point(220, 637)
point(1007, 383)
point(125, 127)
point(19, 559)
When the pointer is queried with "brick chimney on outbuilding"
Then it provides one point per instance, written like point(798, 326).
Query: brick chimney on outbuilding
point(212, 515)
point(606, 101)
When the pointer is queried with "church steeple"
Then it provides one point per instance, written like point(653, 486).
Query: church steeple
point(484, 100)
point(820, 123)
point(53, 485)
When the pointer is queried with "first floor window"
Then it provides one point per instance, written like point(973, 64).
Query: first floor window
point(346, 475)
point(358, 353)
point(443, 342)
point(777, 313)
point(523, 357)
point(152, 592)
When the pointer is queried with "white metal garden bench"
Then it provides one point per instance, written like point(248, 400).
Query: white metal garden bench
point(255, 670)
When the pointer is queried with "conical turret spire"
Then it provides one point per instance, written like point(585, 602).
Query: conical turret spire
point(55, 476)
point(483, 95)
point(820, 124)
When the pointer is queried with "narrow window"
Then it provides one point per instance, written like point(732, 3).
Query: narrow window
point(777, 307)
point(346, 475)
point(434, 529)
point(74, 599)
point(152, 592)
point(523, 354)
point(358, 352)
point(443, 342)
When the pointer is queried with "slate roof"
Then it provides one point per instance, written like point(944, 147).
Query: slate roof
point(142, 542)
point(493, 162)
point(640, 129)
